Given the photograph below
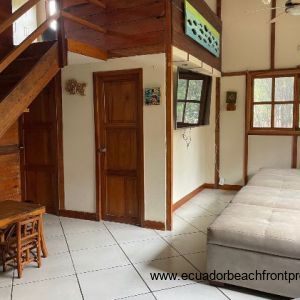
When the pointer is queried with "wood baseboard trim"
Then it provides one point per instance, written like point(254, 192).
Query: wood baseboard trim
point(230, 187)
point(189, 196)
point(153, 225)
point(78, 215)
point(209, 186)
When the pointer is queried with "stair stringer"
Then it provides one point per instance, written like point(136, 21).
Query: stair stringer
point(14, 104)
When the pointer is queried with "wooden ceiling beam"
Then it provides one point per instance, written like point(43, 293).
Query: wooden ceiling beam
point(86, 49)
point(98, 3)
point(83, 22)
point(70, 3)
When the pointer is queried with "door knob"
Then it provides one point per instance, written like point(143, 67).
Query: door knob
point(102, 150)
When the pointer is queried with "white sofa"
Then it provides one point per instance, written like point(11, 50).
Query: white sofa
point(260, 230)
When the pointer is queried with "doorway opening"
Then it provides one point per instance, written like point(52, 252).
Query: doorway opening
point(41, 149)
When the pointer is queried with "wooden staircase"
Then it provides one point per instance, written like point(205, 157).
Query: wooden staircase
point(29, 67)
point(24, 79)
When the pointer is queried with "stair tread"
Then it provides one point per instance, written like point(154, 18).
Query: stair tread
point(37, 49)
point(25, 62)
point(12, 76)
point(29, 58)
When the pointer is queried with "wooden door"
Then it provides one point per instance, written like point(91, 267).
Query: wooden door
point(119, 145)
point(41, 142)
point(10, 178)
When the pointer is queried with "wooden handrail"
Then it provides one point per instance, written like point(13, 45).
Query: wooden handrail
point(17, 14)
point(10, 57)
point(83, 22)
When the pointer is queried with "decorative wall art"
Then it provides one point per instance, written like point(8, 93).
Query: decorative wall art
point(73, 87)
point(200, 30)
point(152, 96)
point(231, 98)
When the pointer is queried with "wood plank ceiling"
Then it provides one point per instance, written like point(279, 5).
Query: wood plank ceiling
point(131, 27)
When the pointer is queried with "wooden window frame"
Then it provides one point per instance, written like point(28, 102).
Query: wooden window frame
point(204, 100)
point(294, 130)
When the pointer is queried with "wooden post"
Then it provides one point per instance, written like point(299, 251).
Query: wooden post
point(169, 116)
point(217, 115)
point(273, 35)
point(61, 37)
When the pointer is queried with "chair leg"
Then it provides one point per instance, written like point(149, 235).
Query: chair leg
point(39, 257)
point(19, 262)
point(39, 244)
point(3, 260)
point(20, 271)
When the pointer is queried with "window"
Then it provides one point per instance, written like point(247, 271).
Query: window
point(51, 11)
point(274, 103)
point(193, 99)
point(25, 24)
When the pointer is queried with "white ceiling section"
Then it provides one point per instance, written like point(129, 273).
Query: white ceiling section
point(187, 61)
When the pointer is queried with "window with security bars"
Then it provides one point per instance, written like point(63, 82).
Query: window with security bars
point(275, 102)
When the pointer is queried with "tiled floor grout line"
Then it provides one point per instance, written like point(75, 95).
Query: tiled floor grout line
point(163, 238)
point(12, 285)
point(78, 282)
point(43, 280)
point(215, 215)
point(129, 260)
point(174, 287)
point(223, 293)
point(180, 254)
point(129, 297)
point(198, 230)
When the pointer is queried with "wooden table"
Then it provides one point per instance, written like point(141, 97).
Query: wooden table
point(13, 211)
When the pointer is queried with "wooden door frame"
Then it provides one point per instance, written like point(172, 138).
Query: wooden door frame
point(140, 138)
point(60, 202)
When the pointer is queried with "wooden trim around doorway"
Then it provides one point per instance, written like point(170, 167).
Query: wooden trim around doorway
point(78, 215)
point(59, 150)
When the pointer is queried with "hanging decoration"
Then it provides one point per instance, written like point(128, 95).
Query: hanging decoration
point(73, 87)
point(187, 137)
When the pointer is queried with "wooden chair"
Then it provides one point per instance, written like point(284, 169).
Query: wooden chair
point(22, 244)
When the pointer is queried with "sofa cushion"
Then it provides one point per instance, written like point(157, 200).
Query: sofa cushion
point(278, 178)
point(269, 197)
point(256, 228)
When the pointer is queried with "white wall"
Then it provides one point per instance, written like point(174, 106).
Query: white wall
point(194, 166)
point(246, 46)
point(232, 132)
point(269, 151)
point(79, 137)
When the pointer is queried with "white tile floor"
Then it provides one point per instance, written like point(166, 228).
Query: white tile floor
point(99, 261)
